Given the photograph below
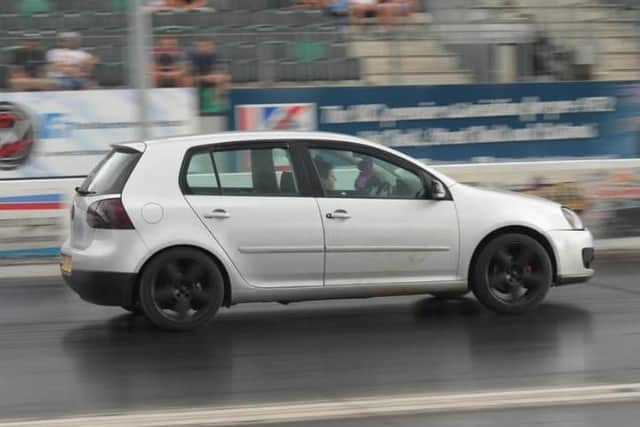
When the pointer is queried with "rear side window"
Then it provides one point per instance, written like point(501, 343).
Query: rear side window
point(242, 172)
point(111, 174)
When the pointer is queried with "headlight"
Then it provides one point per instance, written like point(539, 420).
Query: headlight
point(573, 219)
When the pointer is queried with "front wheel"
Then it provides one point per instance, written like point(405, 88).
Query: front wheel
point(181, 289)
point(512, 274)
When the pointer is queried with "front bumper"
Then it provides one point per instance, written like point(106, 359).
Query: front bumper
point(103, 287)
point(574, 256)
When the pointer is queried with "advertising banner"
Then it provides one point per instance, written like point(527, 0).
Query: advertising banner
point(606, 194)
point(61, 134)
point(460, 123)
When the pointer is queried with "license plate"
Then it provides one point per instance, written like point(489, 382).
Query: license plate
point(66, 264)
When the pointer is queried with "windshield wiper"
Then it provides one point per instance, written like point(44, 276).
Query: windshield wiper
point(82, 192)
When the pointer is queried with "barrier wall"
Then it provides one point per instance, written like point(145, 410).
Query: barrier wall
point(34, 214)
point(462, 122)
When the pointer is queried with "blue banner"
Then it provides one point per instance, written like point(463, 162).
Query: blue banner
point(460, 123)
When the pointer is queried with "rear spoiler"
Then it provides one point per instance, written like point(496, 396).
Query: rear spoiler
point(130, 147)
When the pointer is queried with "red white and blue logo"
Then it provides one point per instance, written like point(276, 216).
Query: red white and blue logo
point(276, 117)
point(17, 135)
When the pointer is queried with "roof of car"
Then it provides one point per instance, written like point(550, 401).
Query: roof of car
point(220, 137)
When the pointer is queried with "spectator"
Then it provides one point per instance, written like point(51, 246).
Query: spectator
point(27, 70)
point(390, 10)
point(168, 67)
point(175, 4)
point(309, 3)
point(360, 9)
point(69, 66)
point(338, 9)
point(208, 70)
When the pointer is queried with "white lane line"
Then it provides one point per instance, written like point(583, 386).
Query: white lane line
point(350, 408)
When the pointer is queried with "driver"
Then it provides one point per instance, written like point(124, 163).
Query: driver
point(327, 175)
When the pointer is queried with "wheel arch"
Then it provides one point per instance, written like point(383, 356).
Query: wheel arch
point(518, 229)
point(226, 302)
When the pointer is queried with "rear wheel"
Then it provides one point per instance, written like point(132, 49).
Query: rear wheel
point(512, 274)
point(181, 289)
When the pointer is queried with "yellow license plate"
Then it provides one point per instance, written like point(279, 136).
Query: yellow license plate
point(66, 264)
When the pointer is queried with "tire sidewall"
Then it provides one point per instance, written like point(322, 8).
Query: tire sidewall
point(480, 282)
point(147, 304)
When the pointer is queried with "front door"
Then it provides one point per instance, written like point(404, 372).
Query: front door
point(379, 225)
point(250, 199)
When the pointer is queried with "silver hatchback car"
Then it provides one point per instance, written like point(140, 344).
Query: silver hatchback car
point(178, 228)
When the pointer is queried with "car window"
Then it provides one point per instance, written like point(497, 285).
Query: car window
point(201, 177)
point(111, 174)
point(345, 173)
point(242, 172)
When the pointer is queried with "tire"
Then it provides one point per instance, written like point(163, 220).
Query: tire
point(444, 295)
point(181, 289)
point(512, 274)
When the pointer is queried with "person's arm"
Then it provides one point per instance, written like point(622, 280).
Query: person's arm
point(88, 63)
point(197, 4)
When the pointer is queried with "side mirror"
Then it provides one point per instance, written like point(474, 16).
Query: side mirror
point(437, 190)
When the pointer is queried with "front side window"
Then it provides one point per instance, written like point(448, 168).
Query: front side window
point(345, 173)
point(242, 172)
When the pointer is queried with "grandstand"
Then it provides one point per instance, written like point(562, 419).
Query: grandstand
point(263, 41)
point(270, 42)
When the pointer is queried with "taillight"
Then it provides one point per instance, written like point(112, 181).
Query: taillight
point(108, 213)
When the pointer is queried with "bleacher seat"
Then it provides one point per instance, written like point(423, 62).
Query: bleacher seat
point(112, 22)
point(80, 22)
point(16, 25)
point(7, 7)
point(46, 24)
point(111, 74)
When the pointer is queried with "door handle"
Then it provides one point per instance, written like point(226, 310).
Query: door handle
point(339, 214)
point(217, 214)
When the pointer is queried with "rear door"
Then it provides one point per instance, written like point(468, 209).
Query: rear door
point(254, 200)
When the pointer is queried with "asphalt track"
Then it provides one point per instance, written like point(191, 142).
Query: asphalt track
point(61, 357)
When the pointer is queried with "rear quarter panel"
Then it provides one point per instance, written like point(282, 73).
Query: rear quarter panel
point(160, 212)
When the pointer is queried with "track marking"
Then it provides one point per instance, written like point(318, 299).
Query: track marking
point(350, 408)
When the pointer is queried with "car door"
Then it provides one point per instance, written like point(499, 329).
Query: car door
point(252, 199)
point(380, 226)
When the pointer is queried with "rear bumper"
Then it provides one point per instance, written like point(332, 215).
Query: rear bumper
point(103, 287)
